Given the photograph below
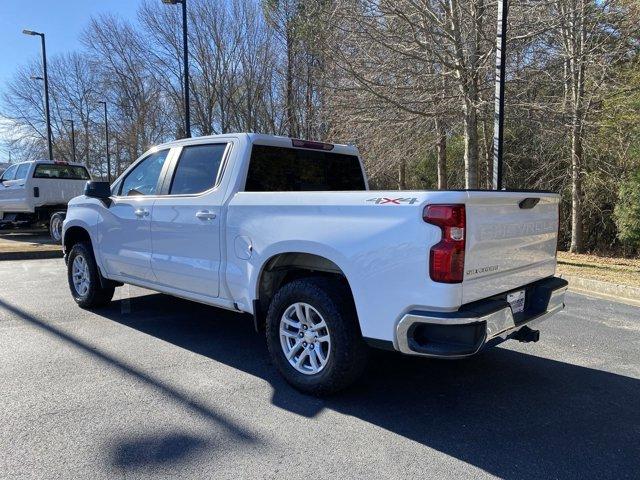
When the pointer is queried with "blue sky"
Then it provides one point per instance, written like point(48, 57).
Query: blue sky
point(61, 20)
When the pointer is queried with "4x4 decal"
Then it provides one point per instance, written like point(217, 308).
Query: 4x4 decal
point(393, 201)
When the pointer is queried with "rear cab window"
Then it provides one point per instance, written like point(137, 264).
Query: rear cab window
point(61, 172)
point(282, 169)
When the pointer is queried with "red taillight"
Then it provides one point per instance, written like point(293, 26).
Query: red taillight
point(446, 259)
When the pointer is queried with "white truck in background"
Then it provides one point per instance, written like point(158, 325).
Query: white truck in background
point(37, 193)
point(288, 231)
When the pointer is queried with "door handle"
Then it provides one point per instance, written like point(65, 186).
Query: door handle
point(205, 215)
point(141, 212)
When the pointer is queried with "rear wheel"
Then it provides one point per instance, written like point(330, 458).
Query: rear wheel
point(313, 335)
point(55, 226)
point(84, 278)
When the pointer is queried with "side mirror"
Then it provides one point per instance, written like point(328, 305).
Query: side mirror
point(101, 190)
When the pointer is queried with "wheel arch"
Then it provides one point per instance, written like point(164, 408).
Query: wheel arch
point(73, 235)
point(283, 267)
point(79, 233)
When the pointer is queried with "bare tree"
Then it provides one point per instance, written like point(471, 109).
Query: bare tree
point(125, 80)
point(409, 81)
point(410, 55)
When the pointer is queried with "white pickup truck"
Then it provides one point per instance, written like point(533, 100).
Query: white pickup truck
point(288, 231)
point(37, 192)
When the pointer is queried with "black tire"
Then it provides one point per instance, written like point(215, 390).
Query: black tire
point(55, 226)
point(348, 355)
point(96, 295)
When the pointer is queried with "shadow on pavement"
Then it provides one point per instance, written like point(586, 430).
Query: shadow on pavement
point(157, 451)
point(177, 396)
point(511, 414)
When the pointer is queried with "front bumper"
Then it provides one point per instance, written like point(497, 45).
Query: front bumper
point(479, 324)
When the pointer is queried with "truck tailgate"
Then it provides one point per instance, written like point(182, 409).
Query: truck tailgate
point(511, 240)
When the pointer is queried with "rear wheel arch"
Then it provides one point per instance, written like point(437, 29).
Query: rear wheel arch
point(286, 267)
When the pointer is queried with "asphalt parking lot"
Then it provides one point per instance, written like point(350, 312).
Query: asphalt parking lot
point(156, 386)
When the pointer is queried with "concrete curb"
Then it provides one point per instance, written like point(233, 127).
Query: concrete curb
point(610, 291)
point(31, 255)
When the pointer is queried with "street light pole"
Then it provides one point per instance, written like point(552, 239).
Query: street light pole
point(73, 139)
point(498, 123)
point(106, 135)
point(185, 48)
point(46, 89)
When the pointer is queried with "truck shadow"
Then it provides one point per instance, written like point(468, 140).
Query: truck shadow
point(511, 414)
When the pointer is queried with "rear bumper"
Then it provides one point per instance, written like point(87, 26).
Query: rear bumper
point(479, 324)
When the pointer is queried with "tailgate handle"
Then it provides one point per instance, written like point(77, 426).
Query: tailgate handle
point(528, 203)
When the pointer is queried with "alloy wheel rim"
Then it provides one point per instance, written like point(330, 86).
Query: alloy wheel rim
point(305, 338)
point(80, 274)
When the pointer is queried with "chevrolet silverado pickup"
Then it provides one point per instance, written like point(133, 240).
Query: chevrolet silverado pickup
point(37, 192)
point(287, 230)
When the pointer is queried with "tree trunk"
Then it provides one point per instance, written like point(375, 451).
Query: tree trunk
point(488, 154)
point(87, 152)
point(291, 117)
point(309, 102)
point(441, 147)
point(402, 175)
point(470, 145)
point(466, 74)
point(576, 192)
point(577, 65)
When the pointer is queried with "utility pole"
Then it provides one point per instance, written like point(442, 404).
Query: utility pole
point(106, 136)
point(73, 139)
point(46, 89)
point(185, 53)
point(498, 123)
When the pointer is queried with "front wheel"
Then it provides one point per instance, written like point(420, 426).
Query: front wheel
point(84, 278)
point(313, 335)
point(55, 226)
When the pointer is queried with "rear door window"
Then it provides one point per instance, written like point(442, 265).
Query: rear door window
point(61, 172)
point(281, 169)
point(198, 168)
